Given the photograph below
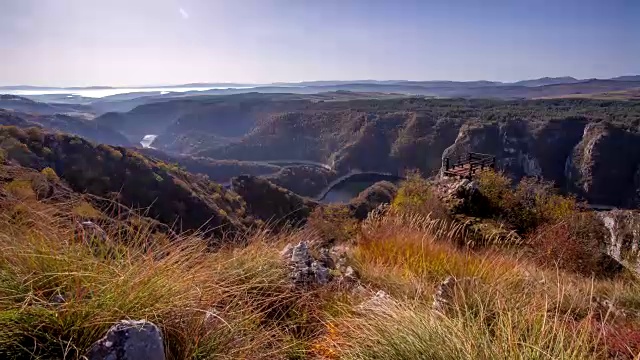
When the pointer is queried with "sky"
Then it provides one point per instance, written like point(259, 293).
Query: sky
point(159, 42)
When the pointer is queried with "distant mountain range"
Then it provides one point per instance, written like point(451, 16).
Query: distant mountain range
point(427, 83)
point(95, 101)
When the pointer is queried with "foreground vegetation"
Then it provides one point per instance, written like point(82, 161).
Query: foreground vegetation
point(61, 289)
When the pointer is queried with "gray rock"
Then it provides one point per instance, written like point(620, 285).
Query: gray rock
point(350, 273)
point(300, 254)
point(57, 299)
point(305, 270)
point(623, 240)
point(90, 230)
point(326, 259)
point(320, 273)
point(129, 340)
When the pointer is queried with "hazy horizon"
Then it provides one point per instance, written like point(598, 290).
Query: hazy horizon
point(147, 43)
point(232, 84)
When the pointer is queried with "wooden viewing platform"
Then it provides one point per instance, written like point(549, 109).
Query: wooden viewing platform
point(469, 165)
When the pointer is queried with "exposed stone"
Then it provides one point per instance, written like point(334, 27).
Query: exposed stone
point(326, 259)
point(305, 269)
point(350, 276)
point(350, 273)
point(90, 231)
point(623, 242)
point(57, 299)
point(320, 273)
point(603, 166)
point(129, 340)
point(530, 165)
point(300, 254)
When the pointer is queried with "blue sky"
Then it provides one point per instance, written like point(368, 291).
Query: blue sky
point(143, 42)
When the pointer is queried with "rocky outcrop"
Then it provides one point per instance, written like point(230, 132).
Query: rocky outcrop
point(596, 160)
point(521, 148)
point(604, 166)
point(305, 270)
point(129, 340)
point(623, 241)
point(327, 266)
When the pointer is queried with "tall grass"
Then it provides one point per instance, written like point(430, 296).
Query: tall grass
point(477, 330)
point(509, 309)
point(232, 303)
point(60, 291)
point(410, 253)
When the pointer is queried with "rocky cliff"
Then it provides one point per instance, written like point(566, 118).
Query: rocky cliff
point(604, 166)
point(623, 242)
point(596, 160)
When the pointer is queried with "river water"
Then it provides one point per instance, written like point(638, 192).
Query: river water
point(147, 140)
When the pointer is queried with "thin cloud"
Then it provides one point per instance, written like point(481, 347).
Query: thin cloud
point(184, 13)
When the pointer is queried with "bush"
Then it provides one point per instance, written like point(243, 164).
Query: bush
point(21, 189)
point(497, 190)
point(35, 134)
point(334, 223)
point(532, 202)
point(416, 196)
point(50, 174)
point(573, 244)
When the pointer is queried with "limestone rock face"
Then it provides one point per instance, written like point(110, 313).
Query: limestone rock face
point(522, 148)
point(623, 243)
point(603, 166)
point(129, 340)
point(328, 265)
point(597, 160)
